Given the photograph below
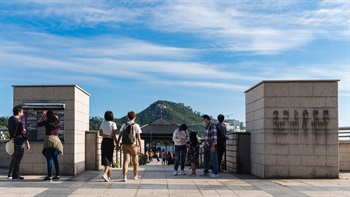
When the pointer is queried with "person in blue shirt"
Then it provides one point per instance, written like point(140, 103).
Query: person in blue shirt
point(18, 133)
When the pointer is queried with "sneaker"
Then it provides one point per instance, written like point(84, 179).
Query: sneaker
point(105, 177)
point(175, 173)
point(18, 178)
point(124, 179)
point(214, 176)
point(56, 178)
point(9, 177)
point(192, 174)
point(47, 179)
point(137, 177)
point(110, 178)
point(204, 174)
point(183, 172)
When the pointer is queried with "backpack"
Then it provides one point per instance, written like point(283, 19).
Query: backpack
point(128, 134)
point(221, 134)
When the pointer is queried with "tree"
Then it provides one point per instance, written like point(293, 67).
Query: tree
point(4, 122)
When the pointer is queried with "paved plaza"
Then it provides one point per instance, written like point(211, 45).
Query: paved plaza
point(158, 180)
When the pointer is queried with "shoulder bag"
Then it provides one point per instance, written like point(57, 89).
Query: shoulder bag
point(10, 145)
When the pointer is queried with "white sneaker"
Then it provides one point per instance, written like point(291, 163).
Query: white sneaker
point(214, 176)
point(183, 172)
point(105, 177)
point(137, 177)
point(175, 173)
point(124, 179)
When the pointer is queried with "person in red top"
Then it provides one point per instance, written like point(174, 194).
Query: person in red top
point(52, 144)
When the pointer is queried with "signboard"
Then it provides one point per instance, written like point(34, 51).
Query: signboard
point(31, 116)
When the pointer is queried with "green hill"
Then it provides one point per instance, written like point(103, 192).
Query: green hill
point(177, 113)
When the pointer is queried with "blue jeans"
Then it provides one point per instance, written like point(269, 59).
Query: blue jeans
point(49, 155)
point(180, 150)
point(214, 160)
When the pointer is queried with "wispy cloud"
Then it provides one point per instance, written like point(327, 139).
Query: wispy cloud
point(281, 71)
point(118, 57)
point(265, 27)
point(202, 84)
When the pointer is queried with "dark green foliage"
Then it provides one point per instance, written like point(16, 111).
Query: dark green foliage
point(177, 113)
point(95, 123)
point(3, 122)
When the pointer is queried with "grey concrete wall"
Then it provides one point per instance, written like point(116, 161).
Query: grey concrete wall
point(255, 125)
point(344, 155)
point(76, 119)
point(238, 152)
point(5, 159)
point(294, 129)
point(92, 158)
point(231, 153)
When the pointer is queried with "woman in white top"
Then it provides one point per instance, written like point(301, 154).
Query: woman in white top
point(107, 131)
point(180, 138)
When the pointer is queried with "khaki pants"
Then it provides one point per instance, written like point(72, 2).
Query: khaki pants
point(130, 150)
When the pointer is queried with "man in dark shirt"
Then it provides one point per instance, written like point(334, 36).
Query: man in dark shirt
point(221, 132)
point(18, 133)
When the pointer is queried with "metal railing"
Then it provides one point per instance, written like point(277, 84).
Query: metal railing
point(344, 133)
point(5, 134)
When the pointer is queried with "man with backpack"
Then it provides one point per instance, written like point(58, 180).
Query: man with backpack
point(130, 132)
point(221, 133)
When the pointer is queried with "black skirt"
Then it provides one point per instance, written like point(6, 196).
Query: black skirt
point(107, 149)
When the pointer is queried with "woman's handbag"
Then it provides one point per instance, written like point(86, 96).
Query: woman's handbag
point(10, 145)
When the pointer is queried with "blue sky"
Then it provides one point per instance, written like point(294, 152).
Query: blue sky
point(205, 54)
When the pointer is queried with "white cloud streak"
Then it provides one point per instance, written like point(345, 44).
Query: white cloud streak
point(201, 84)
point(266, 27)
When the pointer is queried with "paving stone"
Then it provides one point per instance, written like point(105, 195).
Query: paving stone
point(90, 183)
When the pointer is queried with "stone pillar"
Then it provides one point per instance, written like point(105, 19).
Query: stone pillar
point(76, 122)
point(344, 155)
point(92, 150)
point(294, 129)
point(238, 152)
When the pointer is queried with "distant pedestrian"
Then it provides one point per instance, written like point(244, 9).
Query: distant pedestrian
point(210, 147)
point(180, 138)
point(52, 144)
point(169, 159)
point(18, 133)
point(130, 132)
point(157, 156)
point(164, 157)
point(193, 151)
point(151, 155)
point(222, 136)
point(107, 131)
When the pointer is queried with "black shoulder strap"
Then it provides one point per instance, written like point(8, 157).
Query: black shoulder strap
point(15, 133)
